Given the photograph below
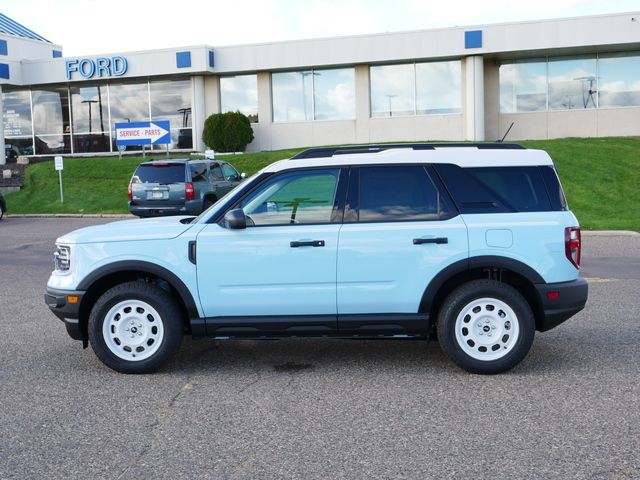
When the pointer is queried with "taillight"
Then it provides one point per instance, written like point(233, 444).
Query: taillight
point(188, 191)
point(573, 245)
point(129, 193)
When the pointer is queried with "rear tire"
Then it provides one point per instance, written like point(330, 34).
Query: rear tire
point(135, 327)
point(486, 327)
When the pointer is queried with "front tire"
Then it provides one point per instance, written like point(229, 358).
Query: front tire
point(486, 327)
point(135, 327)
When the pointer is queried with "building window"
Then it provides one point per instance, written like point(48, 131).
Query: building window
point(90, 118)
point(334, 94)
point(569, 83)
point(392, 90)
point(523, 86)
point(438, 88)
point(240, 94)
point(573, 83)
point(619, 80)
point(313, 95)
point(18, 129)
point(429, 88)
point(51, 125)
point(171, 100)
point(128, 102)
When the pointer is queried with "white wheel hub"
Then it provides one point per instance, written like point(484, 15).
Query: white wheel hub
point(133, 330)
point(487, 329)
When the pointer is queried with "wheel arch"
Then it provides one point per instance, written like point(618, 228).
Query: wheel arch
point(513, 272)
point(108, 276)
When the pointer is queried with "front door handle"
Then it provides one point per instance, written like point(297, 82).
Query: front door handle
point(439, 240)
point(307, 243)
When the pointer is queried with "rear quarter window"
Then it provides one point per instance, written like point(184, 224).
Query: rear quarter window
point(501, 189)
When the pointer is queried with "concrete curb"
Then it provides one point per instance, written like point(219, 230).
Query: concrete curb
point(609, 233)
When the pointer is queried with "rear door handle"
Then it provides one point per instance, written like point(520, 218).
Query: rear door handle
point(439, 240)
point(307, 243)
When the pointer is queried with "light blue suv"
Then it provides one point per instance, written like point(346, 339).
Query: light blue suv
point(472, 242)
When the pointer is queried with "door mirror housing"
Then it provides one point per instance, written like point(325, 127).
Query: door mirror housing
point(235, 219)
point(243, 176)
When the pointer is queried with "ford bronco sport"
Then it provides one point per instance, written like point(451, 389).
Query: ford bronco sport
point(384, 241)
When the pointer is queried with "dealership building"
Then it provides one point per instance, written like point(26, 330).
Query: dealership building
point(570, 77)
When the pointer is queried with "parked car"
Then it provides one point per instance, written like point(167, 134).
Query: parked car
point(382, 241)
point(179, 187)
point(3, 206)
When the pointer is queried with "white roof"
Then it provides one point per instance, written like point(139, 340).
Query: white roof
point(461, 156)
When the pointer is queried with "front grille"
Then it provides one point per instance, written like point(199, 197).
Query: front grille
point(62, 258)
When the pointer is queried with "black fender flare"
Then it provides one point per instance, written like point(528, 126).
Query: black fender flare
point(144, 267)
point(472, 263)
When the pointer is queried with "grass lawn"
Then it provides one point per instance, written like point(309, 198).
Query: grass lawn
point(601, 178)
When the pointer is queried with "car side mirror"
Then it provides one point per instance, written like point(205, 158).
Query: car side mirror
point(235, 219)
point(243, 176)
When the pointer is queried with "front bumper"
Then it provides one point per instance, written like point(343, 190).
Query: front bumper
point(61, 303)
point(560, 301)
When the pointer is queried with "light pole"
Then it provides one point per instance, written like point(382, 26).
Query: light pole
point(304, 90)
point(390, 96)
point(89, 102)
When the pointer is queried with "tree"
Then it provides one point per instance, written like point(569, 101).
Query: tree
point(227, 132)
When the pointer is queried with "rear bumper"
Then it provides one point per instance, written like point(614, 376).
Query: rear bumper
point(189, 208)
point(69, 312)
point(560, 301)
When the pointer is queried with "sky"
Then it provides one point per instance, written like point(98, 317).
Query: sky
point(90, 27)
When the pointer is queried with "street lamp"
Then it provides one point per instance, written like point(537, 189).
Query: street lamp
point(304, 89)
point(390, 96)
point(89, 102)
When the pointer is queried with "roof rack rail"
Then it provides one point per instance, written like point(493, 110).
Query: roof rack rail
point(323, 152)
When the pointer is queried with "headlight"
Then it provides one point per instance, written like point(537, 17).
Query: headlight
point(62, 258)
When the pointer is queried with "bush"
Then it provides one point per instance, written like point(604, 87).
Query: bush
point(227, 132)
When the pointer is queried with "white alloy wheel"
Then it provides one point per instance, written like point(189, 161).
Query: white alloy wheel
point(487, 329)
point(133, 330)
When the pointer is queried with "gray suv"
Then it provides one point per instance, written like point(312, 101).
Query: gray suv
point(179, 187)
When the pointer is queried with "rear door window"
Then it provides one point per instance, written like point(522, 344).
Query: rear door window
point(162, 173)
point(199, 172)
point(399, 193)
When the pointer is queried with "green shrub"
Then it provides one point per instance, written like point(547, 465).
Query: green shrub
point(227, 132)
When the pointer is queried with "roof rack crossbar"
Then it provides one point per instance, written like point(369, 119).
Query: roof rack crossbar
point(324, 152)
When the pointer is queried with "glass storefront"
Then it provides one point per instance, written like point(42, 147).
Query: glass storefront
point(569, 83)
point(313, 95)
point(239, 93)
point(51, 122)
point(90, 118)
point(171, 100)
point(429, 88)
point(81, 118)
point(18, 128)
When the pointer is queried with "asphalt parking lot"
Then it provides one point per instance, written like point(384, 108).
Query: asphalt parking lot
point(319, 408)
